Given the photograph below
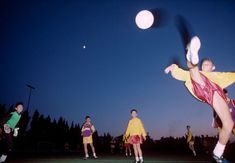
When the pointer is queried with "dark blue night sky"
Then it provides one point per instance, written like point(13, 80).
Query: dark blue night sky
point(41, 44)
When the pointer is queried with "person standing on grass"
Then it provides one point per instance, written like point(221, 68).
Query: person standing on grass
point(87, 130)
point(136, 131)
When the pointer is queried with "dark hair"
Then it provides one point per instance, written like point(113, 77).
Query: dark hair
point(87, 117)
point(188, 126)
point(225, 91)
point(133, 110)
point(19, 103)
point(207, 59)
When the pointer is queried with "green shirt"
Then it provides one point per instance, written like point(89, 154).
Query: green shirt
point(12, 122)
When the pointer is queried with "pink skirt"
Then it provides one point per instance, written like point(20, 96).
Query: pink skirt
point(136, 139)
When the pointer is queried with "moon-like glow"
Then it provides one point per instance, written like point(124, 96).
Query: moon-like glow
point(144, 19)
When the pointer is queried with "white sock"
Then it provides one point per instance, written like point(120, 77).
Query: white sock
point(137, 158)
point(3, 158)
point(219, 149)
point(87, 155)
point(94, 154)
point(141, 159)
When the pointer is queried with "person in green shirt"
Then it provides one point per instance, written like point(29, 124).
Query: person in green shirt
point(9, 130)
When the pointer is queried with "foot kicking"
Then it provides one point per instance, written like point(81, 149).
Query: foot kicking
point(192, 50)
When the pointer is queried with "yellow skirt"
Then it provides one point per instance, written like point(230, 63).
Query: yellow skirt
point(87, 140)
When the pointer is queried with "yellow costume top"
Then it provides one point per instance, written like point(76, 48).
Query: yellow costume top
point(190, 136)
point(222, 79)
point(135, 127)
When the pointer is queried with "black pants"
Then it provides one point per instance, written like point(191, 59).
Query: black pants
point(6, 142)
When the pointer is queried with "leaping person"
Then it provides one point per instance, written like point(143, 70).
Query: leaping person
point(207, 86)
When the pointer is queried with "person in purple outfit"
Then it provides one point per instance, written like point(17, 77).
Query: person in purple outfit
point(87, 130)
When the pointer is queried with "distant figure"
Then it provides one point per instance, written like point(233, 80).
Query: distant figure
point(87, 130)
point(66, 146)
point(216, 120)
point(127, 145)
point(112, 145)
point(190, 140)
point(121, 146)
point(9, 129)
point(205, 144)
point(136, 131)
point(207, 86)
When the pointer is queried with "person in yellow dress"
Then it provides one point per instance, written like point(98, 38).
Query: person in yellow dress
point(207, 86)
point(136, 131)
point(190, 140)
point(87, 130)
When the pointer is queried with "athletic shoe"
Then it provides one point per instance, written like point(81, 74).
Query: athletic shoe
point(194, 153)
point(95, 157)
point(219, 159)
point(3, 158)
point(85, 158)
point(192, 50)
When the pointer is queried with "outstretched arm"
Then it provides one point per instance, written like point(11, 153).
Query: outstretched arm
point(177, 72)
point(169, 69)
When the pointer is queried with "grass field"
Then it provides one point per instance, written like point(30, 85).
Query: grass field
point(112, 159)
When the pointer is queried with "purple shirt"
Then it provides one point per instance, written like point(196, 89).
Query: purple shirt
point(87, 130)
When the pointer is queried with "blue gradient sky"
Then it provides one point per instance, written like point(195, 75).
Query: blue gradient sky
point(41, 43)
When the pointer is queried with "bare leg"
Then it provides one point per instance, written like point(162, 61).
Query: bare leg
point(222, 110)
point(140, 153)
point(136, 152)
point(139, 150)
point(129, 148)
point(195, 74)
point(93, 150)
point(85, 150)
point(191, 146)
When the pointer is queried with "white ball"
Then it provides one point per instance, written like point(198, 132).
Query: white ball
point(144, 19)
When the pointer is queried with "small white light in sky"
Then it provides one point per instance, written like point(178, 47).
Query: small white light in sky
point(144, 19)
point(84, 46)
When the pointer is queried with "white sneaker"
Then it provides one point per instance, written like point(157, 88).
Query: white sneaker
point(194, 153)
point(192, 50)
point(3, 158)
point(95, 157)
point(219, 159)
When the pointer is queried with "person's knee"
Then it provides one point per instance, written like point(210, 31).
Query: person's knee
point(228, 126)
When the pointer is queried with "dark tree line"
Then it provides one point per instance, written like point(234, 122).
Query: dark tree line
point(43, 133)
